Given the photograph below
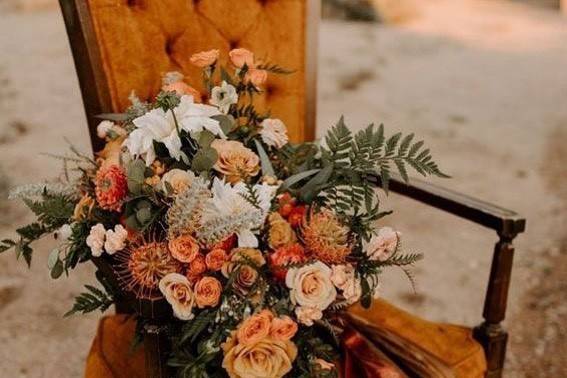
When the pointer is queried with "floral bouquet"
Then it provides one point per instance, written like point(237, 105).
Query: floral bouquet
point(258, 245)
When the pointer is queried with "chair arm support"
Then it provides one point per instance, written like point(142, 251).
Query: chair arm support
point(505, 222)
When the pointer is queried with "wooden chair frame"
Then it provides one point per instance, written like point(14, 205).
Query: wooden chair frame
point(506, 223)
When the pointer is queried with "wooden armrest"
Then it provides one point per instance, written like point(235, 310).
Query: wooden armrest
point(505, 222)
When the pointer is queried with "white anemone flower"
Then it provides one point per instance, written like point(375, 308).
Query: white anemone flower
point(228, 204)
point(160, 126)
point(224, 96)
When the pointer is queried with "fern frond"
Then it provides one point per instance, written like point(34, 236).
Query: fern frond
point(91, 300)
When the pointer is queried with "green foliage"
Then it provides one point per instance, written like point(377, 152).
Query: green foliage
point(91, 300)
point(274, 68)
point(167, 100)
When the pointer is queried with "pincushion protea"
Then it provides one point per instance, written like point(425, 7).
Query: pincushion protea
point(111, 187)
point(143, 265)
point(325, 237)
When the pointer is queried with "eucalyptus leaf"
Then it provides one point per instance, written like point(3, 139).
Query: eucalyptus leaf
point(206, 138)
point(135, 175)
point(204, 159)
point(267, 168)
point(57, 270)
point(144, 215)
point(226, 122)
point(52, 259)
point(310, 190)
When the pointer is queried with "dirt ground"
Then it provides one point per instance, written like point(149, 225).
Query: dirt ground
point(483, 82)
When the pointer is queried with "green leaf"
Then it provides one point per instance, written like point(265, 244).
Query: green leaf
point(267, 168)
point(57, 270)
point(53, 258)
point(292, 180)
point(226, 122)
point(206, 138)
point(310, 190)
point(204, 159)
point(135, 176)
point(366, 298)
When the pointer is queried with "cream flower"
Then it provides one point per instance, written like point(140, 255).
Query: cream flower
point(103, 129)
point(95, 240)
point(177, 291)
point(352, 290)
point(157, 125)
point(63, 233)
point(228, 203)
point(236, 162)
point(224, 96)
point(383, 245)
point(306, 315)
point(177, 179)
point(115, 239)
point(268, 358)
point(274, 132)
point(311, 286)
point(344, 278)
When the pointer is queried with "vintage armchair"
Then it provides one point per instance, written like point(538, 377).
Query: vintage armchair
point(124, 45)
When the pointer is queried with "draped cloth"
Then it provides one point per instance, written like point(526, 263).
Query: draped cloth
point(374, 343)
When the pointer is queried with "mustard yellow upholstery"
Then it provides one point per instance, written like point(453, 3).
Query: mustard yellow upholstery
point(140, 40)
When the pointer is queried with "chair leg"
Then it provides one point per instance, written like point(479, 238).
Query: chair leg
point(490, 333)
point(156, 345)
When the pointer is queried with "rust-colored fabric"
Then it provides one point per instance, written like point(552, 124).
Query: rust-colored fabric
point(452, 346)
point(110, 355)
point(140, 40)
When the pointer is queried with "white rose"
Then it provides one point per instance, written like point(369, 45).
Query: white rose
point(274, 132)
point(95, 240)
point(224, 96)
point(311, 286)
point(383, 245)
point(176, 289)
point(178, 179)
point(63, 233)
point(103, 128)
point(306, 315)
point(115, 240)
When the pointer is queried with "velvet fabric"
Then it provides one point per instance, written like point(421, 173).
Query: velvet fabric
point(453, 346)
point(141, 40)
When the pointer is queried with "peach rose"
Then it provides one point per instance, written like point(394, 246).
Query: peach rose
point(178, 180)
point(280, 232)
point(283, 328)
point(181, 88)
point(256, 77)
point(255, 328)
point(240, 57)
point(177, 291)
point(235, 161)
point(184, 248)
point(382, 245)
point(239, 256)
point(306, 315)
point(215, 259)
point(268, 358)
point(246, 277)
point(207, 292)
point(204, 58)
point(196, 268)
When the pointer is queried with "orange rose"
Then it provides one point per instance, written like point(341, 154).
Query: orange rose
point(184, 248)
point(215, 259)
point(283, 328)
point(196, 268)
point(181, 89)
point(240, 57)
point(256, 77)
point(255, 328)
point(207, 292)
point(204, 58)
point(246, 277)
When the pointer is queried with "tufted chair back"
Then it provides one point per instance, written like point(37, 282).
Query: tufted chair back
point(125, 45)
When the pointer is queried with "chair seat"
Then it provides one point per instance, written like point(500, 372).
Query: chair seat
point(434, 349)
point(443, 350)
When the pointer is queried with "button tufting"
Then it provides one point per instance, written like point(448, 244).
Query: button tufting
point(233, 44)
point(133, 3)
point(169, 45)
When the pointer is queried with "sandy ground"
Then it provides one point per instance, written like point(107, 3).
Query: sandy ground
point(484, 82)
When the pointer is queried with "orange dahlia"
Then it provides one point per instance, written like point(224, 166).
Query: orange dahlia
point(325, 237)
point(111, 187)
